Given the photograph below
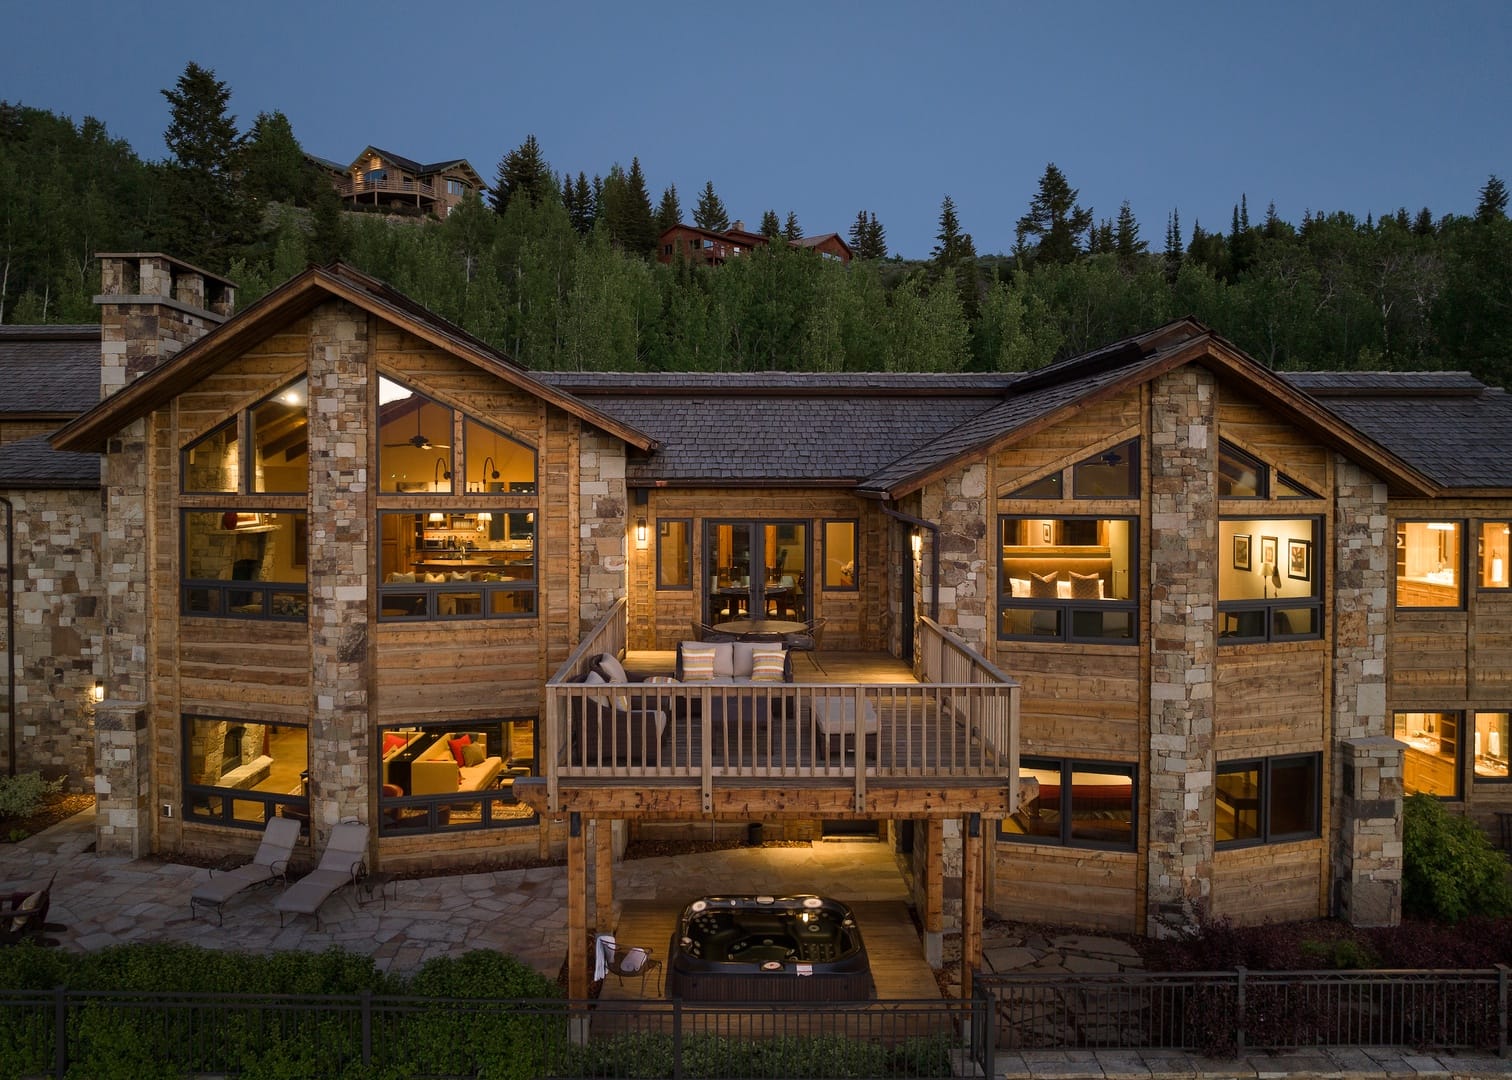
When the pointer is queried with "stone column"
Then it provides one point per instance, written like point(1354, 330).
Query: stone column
point(959, 505)
point(1183, 551)
point(1368, 844)
point(123, 773)
point(340, 562)
point(1366, 817)
point(605, 523)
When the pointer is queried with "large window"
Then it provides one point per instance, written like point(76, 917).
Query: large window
point(1080, 804)
point(756, 569)
point(1268, 800)
point(277, 429)
point(243, 772)
point(840, 554)
point(1068, 579)
point(1431, 763)
point(1269, 579)
point(1430, 561)
point(454, 777)
point(244, 564)
point(1491, 745)
point(1242, 475)
point(444, 565)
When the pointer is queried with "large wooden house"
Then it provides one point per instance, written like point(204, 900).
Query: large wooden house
point(1163, 623)
point(382, 178)
point(715, 247)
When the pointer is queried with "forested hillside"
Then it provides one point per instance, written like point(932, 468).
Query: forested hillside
point(557, 269)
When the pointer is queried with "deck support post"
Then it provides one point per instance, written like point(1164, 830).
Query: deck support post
point(577, 908)
point(973, 871)
point(934, 894)
point(605, 916)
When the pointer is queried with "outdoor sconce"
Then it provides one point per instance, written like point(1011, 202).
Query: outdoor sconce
point(640, 532)
point(441, 472)
point(98, 692)
point(916, 540)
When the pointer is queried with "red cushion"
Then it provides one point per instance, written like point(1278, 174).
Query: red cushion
point(393, 742)
point(457, 745)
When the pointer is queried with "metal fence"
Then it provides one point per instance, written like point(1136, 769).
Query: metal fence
point(1229, 1012)
point(87, 1033)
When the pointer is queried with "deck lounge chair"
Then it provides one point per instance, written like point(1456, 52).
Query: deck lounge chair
point(343, 863)
point(271, 863)
point(23, 914)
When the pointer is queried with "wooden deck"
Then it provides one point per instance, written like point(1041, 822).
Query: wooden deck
point(892, 945)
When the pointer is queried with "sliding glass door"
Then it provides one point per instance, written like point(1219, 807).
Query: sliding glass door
point(756, 569)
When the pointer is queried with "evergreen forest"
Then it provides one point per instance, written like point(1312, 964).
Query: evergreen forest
point(558, 268)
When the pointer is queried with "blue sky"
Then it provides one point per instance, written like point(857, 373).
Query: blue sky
point(829, 108)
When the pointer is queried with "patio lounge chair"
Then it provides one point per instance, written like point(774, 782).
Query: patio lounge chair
point(271, 863)
point(343, 863)
point(23, 914)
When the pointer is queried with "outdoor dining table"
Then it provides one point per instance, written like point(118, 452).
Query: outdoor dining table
point(743, 628)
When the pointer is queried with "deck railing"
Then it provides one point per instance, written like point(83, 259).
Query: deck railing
point(960, 728)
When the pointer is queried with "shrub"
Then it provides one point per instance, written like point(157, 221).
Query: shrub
point(1449, 869)
point(20, 794)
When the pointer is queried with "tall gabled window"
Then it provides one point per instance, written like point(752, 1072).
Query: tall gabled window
point(1109, 474)
point(1242, 475)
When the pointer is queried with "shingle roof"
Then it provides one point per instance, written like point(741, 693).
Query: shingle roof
point(32, 463)
point(52, 370)
point(776, 383)
point(1449, 425)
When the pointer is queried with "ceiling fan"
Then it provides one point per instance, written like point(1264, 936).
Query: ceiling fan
point(419, 440)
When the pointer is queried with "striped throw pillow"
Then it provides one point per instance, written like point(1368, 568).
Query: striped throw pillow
point(767, 664)
point(697, 663)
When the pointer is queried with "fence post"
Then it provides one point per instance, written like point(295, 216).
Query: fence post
point(987, 1002)
point(677, 1047)
point(367, 1028)
point(1501, 1009)
point(1239, 1015)
point(60, 1032)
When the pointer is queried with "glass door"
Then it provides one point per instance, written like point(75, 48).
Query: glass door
point(756, 569)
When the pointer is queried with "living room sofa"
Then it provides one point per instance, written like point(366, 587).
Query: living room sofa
point(436, 772)
point(732, 662)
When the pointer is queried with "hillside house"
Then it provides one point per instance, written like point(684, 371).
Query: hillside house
point(385, 179)
point(709, 247)
point(1129, 633)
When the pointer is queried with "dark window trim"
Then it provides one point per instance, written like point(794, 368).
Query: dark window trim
point(758, 548)
point(687, 523)
point(824, 581)
point(222, 587)
point(1068, 767)
point(1480, 558)
point(419, 815)
point(249, 459)
point(1475, 777)
point(1135, 475)
point(512, 486)
point(1271, 606)
point(1464, 565)
point(235, 423)
point(434, 590)
point(246, 431)
point(1460, 715)
point(1066, 609)
point(271, 801)
point(1264, 766)
point(1262, 470)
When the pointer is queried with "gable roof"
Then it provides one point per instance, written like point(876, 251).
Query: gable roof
point(1446, 423)
point(410, 164)
point(294, 298)
point(49, 371)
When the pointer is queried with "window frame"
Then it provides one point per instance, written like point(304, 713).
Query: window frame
point(1506, 749)
point(421, 815)
point(1459, 763)
point(1266, 766)
point(1272, 606)
point(434, 591)
point(1462, 562)
point(661, 533)
point(824, 581)
point(1482, 562)
point(223, 587)
point(1068, 767)
point(1066, 609)
point(271, 802)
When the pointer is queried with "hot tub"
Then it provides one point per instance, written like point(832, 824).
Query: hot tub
point(768, 948)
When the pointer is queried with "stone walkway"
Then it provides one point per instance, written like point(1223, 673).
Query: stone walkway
point(104, 900)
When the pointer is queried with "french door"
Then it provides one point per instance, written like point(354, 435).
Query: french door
point(756, 569)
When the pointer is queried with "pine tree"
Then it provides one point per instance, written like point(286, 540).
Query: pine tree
point(273, 166)
point(641, 238)
point(1054, 220)
point(857, 235)
point(669, 213)
point(328, 234)
point(771, 228)
point(954, 255)
point(1423, 225)
point(876, 239)
point(522, 172)
point(1173, 251)
point(584, 204)
point(710, 212)
point(1493, 200)
point(792, 230)
point(1126, 241)
point(207, 217)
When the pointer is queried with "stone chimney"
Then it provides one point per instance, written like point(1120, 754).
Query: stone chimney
point(739, 226)
point(151, 307)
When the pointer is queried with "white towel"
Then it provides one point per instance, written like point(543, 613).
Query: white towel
point(603, 952)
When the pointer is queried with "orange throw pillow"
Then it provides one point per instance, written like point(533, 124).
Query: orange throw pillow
point(457, 745)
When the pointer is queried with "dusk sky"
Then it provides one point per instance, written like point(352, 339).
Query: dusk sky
point(829, 108)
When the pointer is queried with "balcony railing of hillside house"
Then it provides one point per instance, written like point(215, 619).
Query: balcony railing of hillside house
point(394, 185)
point(960, 724)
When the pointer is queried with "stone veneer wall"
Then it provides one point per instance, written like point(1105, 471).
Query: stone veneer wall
point(1367, 765)
point(1183, 646)
point(60, 630)
point(338, 568)
point(958, 504)
point(603, 525)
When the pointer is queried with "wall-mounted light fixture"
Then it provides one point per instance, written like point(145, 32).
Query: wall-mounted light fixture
point(441, 473)
point(489, 472)
point(916, 541)
point(483, 519)
point(98, 692)
point(640, 532)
